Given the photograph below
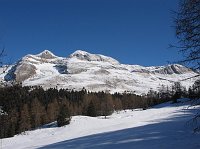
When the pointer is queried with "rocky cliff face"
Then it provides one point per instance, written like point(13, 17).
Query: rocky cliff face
point(24, 71)
point(172, 69)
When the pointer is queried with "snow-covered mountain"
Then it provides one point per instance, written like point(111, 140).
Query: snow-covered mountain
point(94, 72)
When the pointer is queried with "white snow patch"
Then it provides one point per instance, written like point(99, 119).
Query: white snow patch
point(164, 126)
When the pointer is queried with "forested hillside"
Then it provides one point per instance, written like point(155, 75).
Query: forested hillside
point(26, 108)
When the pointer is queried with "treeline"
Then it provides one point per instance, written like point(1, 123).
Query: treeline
point(26, 108)
point(176, 91)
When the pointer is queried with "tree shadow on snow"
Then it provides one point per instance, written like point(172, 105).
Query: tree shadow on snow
point(169, 133)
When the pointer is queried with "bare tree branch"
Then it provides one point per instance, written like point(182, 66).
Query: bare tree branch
point(187, 26)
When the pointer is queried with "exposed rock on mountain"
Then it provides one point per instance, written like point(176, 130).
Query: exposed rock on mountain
point(172, 69)
point(46, 54)
point(94, 72)
point(24, 71)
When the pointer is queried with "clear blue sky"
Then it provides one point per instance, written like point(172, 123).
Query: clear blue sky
point(131, 31)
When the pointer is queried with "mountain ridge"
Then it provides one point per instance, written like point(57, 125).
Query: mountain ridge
point(95, 72)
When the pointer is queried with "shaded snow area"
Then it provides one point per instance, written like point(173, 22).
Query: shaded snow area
point(161, 127)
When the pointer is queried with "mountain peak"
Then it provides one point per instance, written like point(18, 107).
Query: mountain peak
point(81, 52)
point(83, 55)
point(95, 72)
point(46, 54)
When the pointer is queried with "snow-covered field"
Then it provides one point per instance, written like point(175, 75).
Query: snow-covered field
point(161, 127)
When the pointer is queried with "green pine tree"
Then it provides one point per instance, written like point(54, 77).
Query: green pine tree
point(64, 117)
point(91, 110)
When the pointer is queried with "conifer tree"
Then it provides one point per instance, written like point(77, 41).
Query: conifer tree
point(24, 121)
point(36, 113)
point(64, 117)
point(91, 110)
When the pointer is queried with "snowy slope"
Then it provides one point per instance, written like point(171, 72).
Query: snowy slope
point(94, 72)
point(164, 126)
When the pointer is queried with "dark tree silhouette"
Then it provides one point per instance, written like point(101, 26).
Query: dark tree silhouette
point(26, 108)
point(187, 26)
point(63, 116)
point(24, 122)
point(91, 110)
point(177, 91)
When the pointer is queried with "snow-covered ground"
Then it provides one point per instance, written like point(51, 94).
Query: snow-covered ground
point(161, 127)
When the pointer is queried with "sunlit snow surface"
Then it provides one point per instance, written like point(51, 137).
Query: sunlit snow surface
point(161, 127)
point(96, 72)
